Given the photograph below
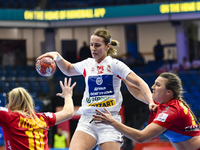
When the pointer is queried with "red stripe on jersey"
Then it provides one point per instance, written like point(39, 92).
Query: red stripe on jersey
point(84, 73)
point(119, 77)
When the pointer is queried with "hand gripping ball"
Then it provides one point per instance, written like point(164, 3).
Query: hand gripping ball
point(45, 66)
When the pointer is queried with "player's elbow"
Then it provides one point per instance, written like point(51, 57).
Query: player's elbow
point(68, 116)
point(63, 116)
point(140, 139)
point(71, 114)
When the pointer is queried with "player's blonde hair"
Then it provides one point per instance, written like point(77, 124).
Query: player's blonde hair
point(105, 34)
point(19, 100)
point(174, 84)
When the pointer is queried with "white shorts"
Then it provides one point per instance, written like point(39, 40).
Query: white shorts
point(101, 132)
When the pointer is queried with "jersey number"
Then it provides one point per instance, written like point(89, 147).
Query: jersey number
point(186, 110)
point(35, 139)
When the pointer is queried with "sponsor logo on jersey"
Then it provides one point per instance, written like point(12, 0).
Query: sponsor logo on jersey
point(191, 128)
point(166, 108)
point(101, 93)
point(8, 145)
point(92, 99)
point(99, 80)
point(100, 69)
point(99, 88)
point(162, 117)
point(108, 68)
point(108, 103)
point(100, 85)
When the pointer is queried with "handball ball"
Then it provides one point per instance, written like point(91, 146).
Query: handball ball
point(45, 66)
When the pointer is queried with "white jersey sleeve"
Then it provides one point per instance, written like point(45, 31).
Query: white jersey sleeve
point(120, 69)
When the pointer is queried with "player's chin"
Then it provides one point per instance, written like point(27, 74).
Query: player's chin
point(95, 56)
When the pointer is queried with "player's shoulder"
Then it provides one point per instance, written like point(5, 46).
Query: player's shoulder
point(175, 105)
point(87, 61)
point(115, 61)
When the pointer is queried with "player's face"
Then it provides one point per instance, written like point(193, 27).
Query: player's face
point(159, 90)
point(98, 48)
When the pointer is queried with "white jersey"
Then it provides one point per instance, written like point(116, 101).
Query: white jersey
point(103, 82)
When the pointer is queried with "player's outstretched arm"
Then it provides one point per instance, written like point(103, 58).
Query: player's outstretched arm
point(68, 108)
point(140, 136)
point(135, 91)
point(144, 88)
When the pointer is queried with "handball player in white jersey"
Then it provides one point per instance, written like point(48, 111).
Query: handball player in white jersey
point(103, 76)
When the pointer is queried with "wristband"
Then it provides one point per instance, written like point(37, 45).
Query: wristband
point(59, 58)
